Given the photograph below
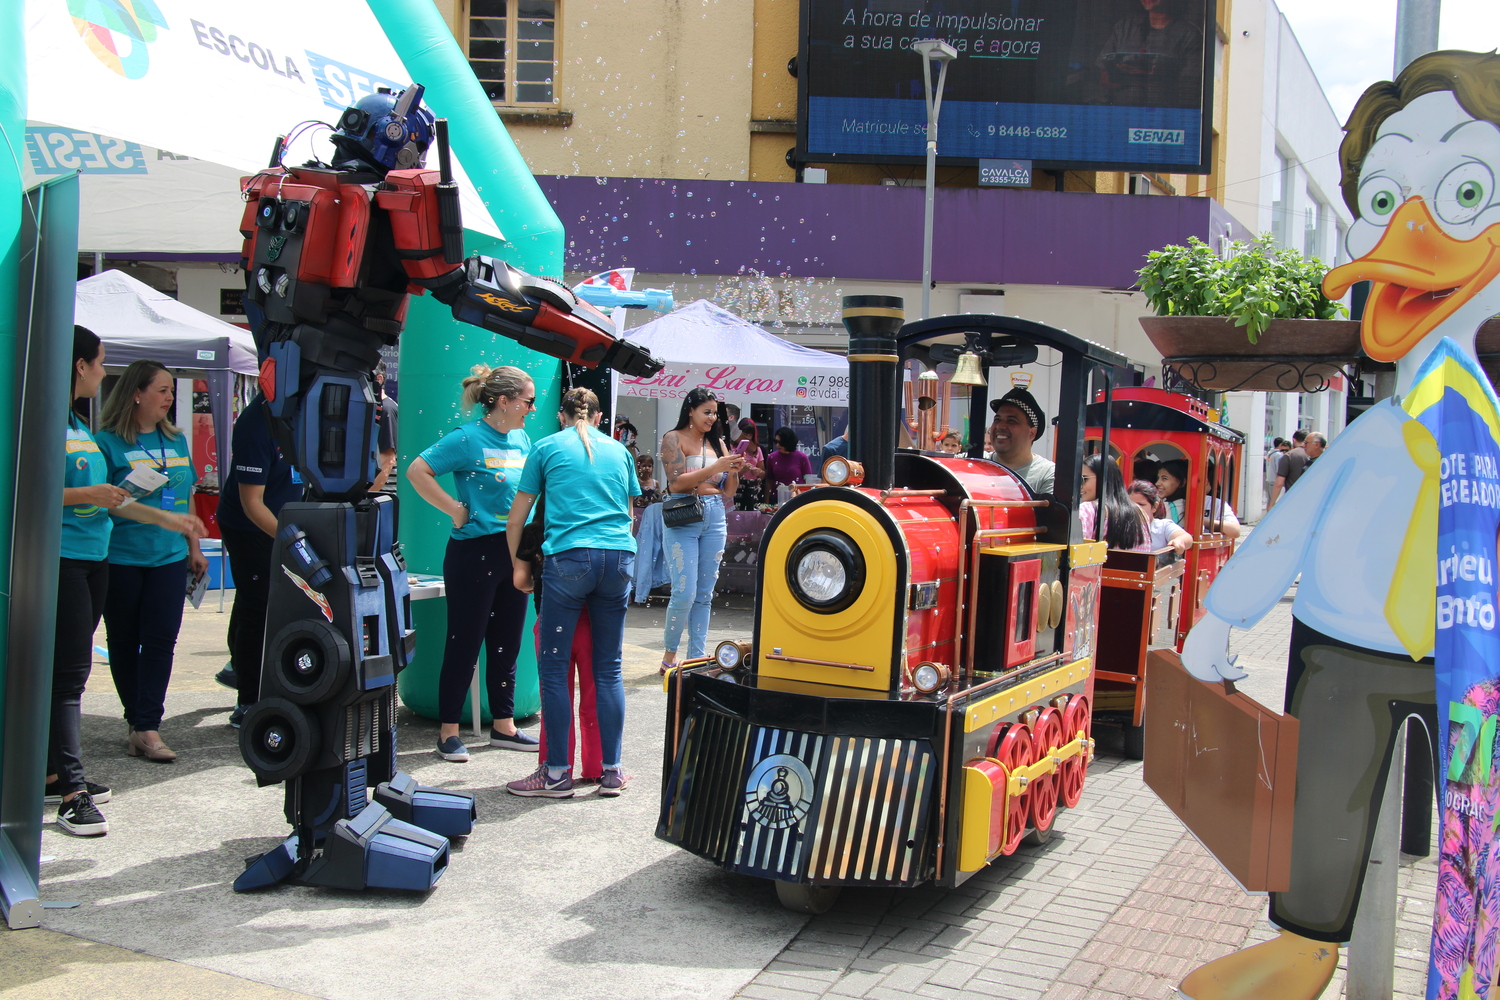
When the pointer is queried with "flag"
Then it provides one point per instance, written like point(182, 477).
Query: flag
point(620, 278)
point(1452, 398)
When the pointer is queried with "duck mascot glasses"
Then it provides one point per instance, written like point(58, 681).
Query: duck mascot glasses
point(1393, 532)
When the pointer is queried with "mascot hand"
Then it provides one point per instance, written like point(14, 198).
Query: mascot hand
point(1206, 652)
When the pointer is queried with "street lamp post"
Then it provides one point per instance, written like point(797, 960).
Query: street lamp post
point(932, 50)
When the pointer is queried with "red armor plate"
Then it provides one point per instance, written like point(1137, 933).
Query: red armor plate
point(412, 206)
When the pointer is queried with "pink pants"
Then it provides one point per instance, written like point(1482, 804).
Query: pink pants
point(587, 729)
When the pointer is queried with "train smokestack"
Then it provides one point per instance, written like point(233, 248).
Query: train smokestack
point(873, 322)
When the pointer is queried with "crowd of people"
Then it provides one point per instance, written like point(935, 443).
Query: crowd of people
point(545, 522)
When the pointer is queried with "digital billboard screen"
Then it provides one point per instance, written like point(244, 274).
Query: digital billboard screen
point(1078, 84)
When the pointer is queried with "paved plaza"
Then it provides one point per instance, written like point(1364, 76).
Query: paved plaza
point(577, 898)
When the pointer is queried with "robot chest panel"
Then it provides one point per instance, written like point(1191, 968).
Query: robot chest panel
point(308, 242)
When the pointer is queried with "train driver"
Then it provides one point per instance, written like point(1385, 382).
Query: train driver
point(1018, 422)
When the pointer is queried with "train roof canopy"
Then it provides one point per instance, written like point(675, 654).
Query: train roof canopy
point(1000, 330)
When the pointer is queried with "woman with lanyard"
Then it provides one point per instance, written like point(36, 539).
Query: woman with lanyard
point(149, 563)
point(82, 580)
point(695, 459)
point(484, 607)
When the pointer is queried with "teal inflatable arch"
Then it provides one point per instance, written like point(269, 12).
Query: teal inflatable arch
point(436, 350)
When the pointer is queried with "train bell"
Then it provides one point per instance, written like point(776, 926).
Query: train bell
point(968, 371)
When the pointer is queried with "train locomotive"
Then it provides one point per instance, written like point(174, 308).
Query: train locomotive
point(915, 698)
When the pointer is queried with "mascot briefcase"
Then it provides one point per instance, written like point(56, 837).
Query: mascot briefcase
point(1227, 766)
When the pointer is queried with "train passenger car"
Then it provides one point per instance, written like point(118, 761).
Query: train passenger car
point(915, 698)
point(1152, 603)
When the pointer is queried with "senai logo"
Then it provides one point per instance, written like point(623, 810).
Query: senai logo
point(118, 31)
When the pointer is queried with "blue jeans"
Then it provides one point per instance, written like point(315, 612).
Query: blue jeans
point(693, 552)
point(597, 579)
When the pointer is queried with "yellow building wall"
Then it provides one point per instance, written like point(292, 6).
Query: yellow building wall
point(700, 88)
point(654, 89)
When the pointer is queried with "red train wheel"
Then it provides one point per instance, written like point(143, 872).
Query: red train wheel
point(1048, 737)
point(1013, 749)
point(1070, 781)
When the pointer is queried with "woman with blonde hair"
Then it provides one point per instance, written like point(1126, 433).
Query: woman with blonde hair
point(150, 561)
point(588, 553)
point(484, 607)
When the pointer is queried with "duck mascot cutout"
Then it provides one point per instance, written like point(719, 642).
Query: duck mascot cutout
point(1393, 533)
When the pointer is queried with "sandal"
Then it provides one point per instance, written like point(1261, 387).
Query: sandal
point(665, 666)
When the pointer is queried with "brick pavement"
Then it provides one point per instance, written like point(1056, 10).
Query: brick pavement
point(1122, 903)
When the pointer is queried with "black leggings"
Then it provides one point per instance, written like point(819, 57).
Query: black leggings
point(250, 562)
point(81, 585)
point(143, 613)
point(484, 608)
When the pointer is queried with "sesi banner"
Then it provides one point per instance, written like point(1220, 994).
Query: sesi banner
point(1452, 398)
point(743, 384)
point(213, 79)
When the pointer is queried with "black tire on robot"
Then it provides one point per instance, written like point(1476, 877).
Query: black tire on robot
point(1135, 740)
point(278, 739)
point(801, 898)
point(311, 659)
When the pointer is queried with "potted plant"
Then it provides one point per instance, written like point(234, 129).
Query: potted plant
point(1257, 320)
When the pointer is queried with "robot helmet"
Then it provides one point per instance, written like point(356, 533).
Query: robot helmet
point(387, 131)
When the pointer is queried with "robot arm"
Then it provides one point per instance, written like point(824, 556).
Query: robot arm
point(537, 313)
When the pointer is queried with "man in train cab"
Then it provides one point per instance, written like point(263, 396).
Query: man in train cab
point(1018, 422)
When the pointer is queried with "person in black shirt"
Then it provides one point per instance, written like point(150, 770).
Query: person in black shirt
point(257, 487)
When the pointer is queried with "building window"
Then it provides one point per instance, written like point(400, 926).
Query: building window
point(513, 49)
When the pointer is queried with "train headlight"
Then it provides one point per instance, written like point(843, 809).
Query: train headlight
point(928, 677)
point(840, 471)
point(825, 571)
point(731, 655)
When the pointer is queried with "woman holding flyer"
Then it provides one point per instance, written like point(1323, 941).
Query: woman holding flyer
point(151, 560)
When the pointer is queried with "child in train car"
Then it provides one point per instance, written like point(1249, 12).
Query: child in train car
point(951, 444)
point(1162, 532)
point(1171, 482)
point(1103, 485)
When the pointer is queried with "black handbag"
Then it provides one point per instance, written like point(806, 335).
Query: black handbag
point(529, 548)
point(681, 509)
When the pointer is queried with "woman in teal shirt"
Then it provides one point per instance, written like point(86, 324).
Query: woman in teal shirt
point(149, 562)
point(484, 607)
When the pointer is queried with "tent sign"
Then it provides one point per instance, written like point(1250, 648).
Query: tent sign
point(742, 384)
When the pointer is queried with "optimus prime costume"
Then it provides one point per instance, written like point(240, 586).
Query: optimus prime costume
point(331, 254)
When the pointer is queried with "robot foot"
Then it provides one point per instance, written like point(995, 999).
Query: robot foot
point(374, 850)
point(448, 814)
point(1288, 967)
point(269, 868)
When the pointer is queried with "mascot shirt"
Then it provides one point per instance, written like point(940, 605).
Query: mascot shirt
point(1342, 529)
point(85, 527)
point(486, 467)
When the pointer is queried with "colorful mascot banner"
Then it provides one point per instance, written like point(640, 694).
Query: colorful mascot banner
point(1453, 400)
point(217, 80)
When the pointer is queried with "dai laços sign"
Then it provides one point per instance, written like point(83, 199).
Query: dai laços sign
point(744, 384)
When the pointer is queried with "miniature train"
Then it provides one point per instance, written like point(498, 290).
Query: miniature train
point(1150, 600)
point(916, 697)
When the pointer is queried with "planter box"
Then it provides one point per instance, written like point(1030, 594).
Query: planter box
point(1292, 355)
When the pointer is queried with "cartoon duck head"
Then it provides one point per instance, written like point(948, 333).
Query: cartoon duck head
point(1421, 164)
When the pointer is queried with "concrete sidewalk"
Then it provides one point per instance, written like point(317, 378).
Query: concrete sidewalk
point(578, 899)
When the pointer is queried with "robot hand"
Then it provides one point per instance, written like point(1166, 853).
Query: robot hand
point(1205, 654)
point(540, 314)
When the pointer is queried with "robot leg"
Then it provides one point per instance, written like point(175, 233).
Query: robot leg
point(339, 632)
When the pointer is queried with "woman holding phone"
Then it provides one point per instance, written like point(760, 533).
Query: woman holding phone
point(696, 459)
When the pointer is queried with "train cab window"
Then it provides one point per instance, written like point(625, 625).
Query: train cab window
point(1025, 597)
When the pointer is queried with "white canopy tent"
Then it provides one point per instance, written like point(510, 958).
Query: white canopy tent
point(137, 322)
point(706, 345)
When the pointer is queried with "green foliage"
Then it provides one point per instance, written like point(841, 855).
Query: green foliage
point(1258, 283)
